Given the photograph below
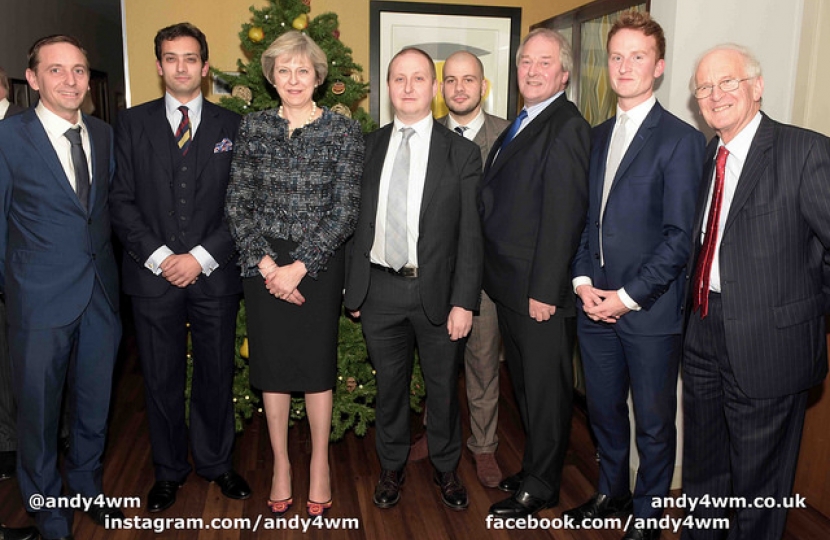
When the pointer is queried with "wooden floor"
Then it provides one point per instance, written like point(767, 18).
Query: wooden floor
point(420, 514)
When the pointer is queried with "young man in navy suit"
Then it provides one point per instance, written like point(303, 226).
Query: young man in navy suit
point(59, 278)
point(755, 340)
point(643, 180)
point(179, 265)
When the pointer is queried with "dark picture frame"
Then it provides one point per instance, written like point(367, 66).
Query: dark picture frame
point(492, 33)
point(19, 92)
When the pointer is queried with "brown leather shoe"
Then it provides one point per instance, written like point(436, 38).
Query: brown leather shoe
point(487, 469)
point(419, 450)
point(453, 492)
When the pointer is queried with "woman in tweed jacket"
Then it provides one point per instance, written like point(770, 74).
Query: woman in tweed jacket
point(292, 203)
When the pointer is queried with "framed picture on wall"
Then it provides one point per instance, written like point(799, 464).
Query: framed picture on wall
point(491, 33)
point(19, 92)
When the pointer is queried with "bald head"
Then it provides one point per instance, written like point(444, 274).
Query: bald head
point(463, 86)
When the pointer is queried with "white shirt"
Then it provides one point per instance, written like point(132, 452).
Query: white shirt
point(4, 106)
point(55, 127)
point(636, 116)
point(174, 118)
point(418, 158)
point(473, 127)
point(738, 150)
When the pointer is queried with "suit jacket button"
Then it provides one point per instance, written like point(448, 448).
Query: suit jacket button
point(184, 168)
point(184, 184)
point(596, 224)
point(173, 238)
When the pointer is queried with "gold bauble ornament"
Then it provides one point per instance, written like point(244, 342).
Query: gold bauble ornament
point(243, 349)
point(301, 22)
point(256, 34)
point(339, 108)
point(338, 88)
point(242, 92)
point(357, 77)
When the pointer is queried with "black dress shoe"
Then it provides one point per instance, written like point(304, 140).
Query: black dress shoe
point(233, 486)
point(602, 506)
point(8, 466)
point(388, 490)
point(633, 533)
point(521, 504)
point(23, 533)
point(162, 495)
point(512, 483)
point(453, 492)
point(99, 514)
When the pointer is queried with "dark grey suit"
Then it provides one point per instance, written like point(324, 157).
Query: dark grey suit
point(747, 366)
point(397, 311)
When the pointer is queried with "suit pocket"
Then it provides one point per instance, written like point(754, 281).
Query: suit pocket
point(798, 312)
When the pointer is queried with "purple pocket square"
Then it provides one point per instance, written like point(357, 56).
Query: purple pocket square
point(225, 146)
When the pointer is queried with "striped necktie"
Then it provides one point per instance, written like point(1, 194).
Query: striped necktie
point(184, 133)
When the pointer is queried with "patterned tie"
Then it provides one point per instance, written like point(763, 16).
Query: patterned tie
point(183, 132)
point(79, 164)
point(707, 251)
point(615, 155)
point(460, 129)
point(514, 128)
point(396, 246)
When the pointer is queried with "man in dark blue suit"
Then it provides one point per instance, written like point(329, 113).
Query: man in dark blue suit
point(58, 274)
point(755, 340)
point(168, 203)
point(644, 175)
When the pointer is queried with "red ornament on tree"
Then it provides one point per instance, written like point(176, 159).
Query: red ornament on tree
point(336, 33)
point(307, 3)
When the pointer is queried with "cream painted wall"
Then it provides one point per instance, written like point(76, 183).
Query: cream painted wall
point(811, 107)
point(221, 21)
point(770, 28)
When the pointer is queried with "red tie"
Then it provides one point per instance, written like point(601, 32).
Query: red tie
point(707, 252)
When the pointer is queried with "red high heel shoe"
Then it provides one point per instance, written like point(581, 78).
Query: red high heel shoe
point(316, 509)
point(279, 508)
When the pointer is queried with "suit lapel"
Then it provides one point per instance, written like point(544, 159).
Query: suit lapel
point(159, 132)
point(36, 133)
point(755, 166)
point(529, 133)
point(639, 141)
point(597, 169)
point(100, 165)
point(207, 136)
point(705, 188)
point(374, 168)
point(438, 150)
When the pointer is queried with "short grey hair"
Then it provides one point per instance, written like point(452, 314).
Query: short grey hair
point(565, 53)
point(752, 67)
point(295, 44)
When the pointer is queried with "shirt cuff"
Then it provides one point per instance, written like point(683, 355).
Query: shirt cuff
point(205, 259)
point(627, 300)
point(581, 280)
point(153, 263)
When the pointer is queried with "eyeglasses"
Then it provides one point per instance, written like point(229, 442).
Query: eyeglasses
point(728, 85)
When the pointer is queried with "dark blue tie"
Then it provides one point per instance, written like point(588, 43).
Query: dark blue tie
point(514, 128)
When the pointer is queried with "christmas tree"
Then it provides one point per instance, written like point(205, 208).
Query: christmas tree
point(343, 89)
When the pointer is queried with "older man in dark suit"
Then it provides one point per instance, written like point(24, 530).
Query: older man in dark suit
point(168, 199)
point(58, 274)
point(463, 88)
point(755, 340)
point(534, 196)
point(414, 272)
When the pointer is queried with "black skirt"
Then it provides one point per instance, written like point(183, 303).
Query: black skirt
point(294, 348)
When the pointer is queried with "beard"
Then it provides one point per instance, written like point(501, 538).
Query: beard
point(464, 109)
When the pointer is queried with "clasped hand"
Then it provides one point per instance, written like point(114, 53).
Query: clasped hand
point(181, 270)
point(282, 281)
point(600, 305)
